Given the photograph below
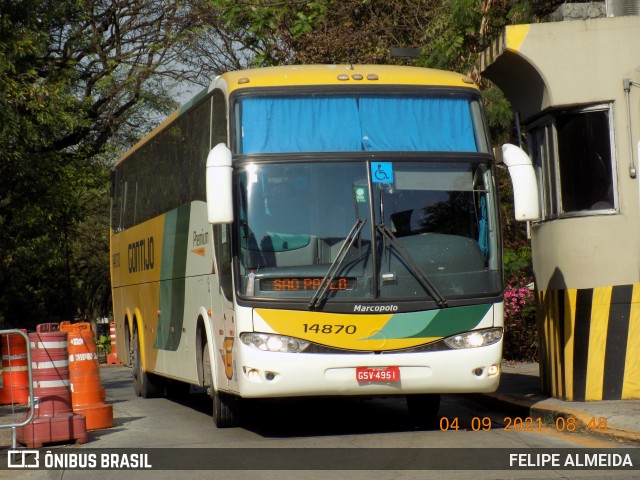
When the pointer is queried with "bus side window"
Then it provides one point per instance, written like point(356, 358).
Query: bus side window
point(218, 119)
point(223, 259)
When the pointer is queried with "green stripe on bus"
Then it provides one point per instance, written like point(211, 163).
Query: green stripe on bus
point(172, 278)
point(434, 323)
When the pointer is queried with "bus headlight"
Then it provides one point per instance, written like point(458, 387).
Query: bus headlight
point(273, 343)
point(475, 338)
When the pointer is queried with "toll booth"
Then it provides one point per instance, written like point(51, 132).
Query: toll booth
point(575, 87)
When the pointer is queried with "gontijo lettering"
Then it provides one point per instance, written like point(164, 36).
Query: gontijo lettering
point(140, 255)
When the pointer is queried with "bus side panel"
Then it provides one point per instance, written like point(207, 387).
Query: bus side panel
point(181, 362)
point(121, 321)
point(134, 307)
point(193, 268)
point(171, 307)
point(135, 275)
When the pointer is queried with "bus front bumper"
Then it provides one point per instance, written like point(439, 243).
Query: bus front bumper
point(263, 374)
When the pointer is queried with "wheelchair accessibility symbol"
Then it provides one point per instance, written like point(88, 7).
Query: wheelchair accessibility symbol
point(382, 172)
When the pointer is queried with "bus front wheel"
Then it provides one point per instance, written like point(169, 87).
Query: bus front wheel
point(423, 409)
point(224, 410)
point(225, 406)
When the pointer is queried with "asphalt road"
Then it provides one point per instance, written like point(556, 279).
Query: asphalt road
point(354, 425)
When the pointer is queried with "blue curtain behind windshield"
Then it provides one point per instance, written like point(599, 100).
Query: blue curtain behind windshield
point(272, 125)
point(343, 124)
point(417, 124)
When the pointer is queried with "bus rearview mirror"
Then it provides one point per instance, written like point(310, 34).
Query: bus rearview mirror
point(219, 185)
point(523, 178)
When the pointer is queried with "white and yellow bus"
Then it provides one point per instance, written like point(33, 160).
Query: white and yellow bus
point(314, 231)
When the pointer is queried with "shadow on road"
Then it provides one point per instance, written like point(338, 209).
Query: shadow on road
point(313, 417)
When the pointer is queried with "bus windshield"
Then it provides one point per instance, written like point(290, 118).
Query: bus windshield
point(397, 222)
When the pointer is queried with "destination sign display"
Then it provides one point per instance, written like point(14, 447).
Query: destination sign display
point(299, 284)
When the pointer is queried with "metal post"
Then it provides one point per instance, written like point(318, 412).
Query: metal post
point(31, 412)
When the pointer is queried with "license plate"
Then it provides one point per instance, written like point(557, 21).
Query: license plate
point(377, 375)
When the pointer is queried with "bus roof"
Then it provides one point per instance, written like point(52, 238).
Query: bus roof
point(317, 75)
point(309, 75)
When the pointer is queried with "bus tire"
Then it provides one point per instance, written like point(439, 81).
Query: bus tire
point(146, 385)
point(224, 410)
point(225, 406)
point(423, 409)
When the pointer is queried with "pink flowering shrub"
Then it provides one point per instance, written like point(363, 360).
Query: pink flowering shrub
point(521, 339)
point(519, 299)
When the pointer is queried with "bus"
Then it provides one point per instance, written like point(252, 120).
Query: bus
point(315, 230)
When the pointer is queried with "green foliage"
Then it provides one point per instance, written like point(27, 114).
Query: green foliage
point(103, 345)
point(451, 34)
point(517, 260)
point(499, 114)
point(72, 75)
point(523, 11)
point(264, 26)
point(467, 15)
point(521, 336)
point(324, 31)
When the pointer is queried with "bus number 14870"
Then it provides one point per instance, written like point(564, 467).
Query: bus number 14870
point(329, 329)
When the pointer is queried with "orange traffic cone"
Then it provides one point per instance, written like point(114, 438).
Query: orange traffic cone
point(15, 370)
point(84, 375)
point(112, 358)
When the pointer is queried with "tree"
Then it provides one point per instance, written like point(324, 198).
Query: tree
point(79, 80)
point(323, 31)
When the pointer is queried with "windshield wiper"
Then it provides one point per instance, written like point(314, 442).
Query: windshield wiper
point(410, 262)
point(321, 292)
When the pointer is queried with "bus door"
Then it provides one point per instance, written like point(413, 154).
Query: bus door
point(223, 326)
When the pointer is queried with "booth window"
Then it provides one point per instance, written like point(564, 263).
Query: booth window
point(572, 153)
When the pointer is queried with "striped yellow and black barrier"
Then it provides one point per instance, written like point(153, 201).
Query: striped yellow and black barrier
point(589, 342)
